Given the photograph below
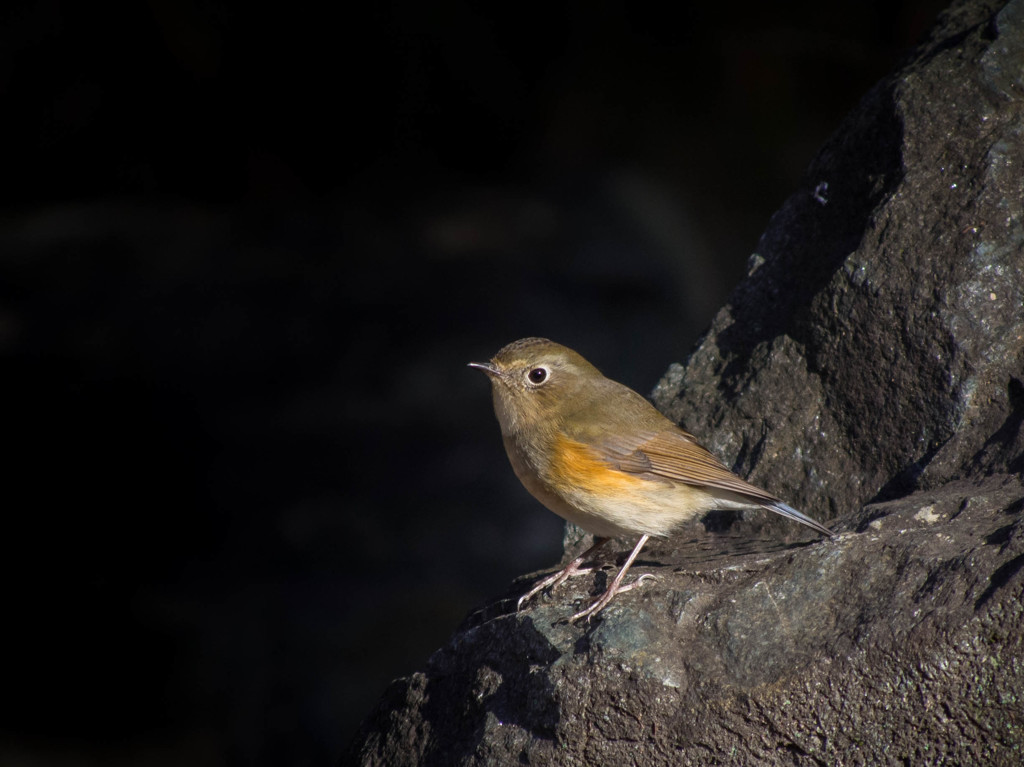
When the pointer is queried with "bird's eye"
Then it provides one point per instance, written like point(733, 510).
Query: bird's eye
point(538, 376)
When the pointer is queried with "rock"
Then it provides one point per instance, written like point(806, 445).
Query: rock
point(870, 370)
point(898, 642)
point(878, 345)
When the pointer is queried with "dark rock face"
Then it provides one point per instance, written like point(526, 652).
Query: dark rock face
point(875, 355)
point(878, 345)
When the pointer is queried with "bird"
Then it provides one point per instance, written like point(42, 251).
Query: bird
point(599, 455)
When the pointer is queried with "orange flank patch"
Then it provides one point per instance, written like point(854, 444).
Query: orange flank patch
point(577, 466)
point(582, 487)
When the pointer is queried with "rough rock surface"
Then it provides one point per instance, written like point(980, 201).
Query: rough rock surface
point(871, 371)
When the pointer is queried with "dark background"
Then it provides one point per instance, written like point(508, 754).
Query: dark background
point(245, 254)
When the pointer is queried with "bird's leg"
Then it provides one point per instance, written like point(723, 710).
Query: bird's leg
point(571, 569)
point(616, 586)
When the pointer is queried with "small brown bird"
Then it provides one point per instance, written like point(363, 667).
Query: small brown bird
point(599, 455)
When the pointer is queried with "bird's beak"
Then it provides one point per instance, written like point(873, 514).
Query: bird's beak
point(487, 367)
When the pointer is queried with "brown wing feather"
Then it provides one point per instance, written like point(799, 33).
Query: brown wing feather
point(676, 455)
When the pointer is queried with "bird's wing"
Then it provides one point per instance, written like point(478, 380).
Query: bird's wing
point(676, 455)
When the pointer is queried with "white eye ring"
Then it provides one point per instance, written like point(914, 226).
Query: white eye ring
point(536, 376)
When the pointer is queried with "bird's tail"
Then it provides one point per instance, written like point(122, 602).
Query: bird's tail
point(789, 512)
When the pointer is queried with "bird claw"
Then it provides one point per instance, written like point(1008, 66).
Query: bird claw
point(571, 570)
point(637, 582)
point(552, 581)
point(607, 597)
